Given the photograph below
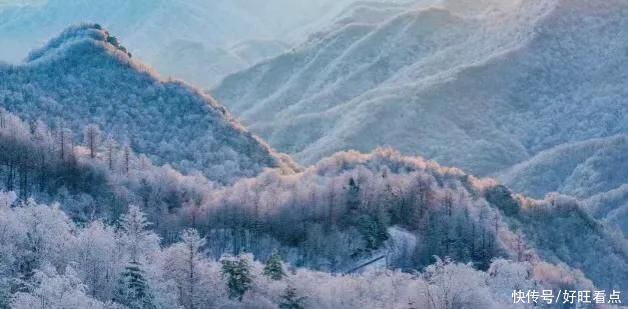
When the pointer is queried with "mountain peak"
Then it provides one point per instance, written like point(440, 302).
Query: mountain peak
point(85, 77)
point(87, 35)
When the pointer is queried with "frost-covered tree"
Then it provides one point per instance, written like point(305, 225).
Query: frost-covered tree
point(453, 285)
point(135, 235)
point(91, 138)
point(7, 199)
point(127, 153)
point(51, 290)
point(97, 259)
point(185, 266)
point(110, 153)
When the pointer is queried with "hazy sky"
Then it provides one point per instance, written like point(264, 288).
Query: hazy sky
point(147, 25)
point(20, 1)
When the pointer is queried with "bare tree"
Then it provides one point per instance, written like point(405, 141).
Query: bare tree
point(92, 139)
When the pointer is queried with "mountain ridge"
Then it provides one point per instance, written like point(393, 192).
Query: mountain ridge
point(477, 87)
point(82, 71)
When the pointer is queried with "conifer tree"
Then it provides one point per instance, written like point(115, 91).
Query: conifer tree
point(133, 289)
point(291, 300)
point(238, 276)
point(353, 195)
point(274, 268)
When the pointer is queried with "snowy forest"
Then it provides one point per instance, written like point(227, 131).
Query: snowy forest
point(114, 220)
point(439, 154)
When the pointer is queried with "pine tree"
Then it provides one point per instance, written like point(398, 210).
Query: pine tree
point(353, 195)
point(291, 300)
point(133, 289)
point(274, 268)
point(238, 277)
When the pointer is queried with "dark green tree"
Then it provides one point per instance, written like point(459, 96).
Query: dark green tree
point(291, 300)
point(274, 267)
point(373, 230)
point(133, 289)
point(353, 195)
point(238, 276)
point(501, 197)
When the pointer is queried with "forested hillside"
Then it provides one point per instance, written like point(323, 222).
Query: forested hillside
point(346, 209)
point(579, 169)
point(84, 76)
point(529, 92)
point(593, 170)
point(61, 265)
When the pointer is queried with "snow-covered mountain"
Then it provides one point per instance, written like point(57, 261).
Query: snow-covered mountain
point(152, 28)
point(481, 85)
point(84, 76)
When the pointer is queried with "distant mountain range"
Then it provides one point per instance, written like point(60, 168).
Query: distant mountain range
point(480, 85)
point(84, 76)
point(192, 61)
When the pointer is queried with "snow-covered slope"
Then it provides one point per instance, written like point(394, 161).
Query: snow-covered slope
point(479, 85)
point(611, 207)
point(80, 77)
point(581, 169)
point(593, 170)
